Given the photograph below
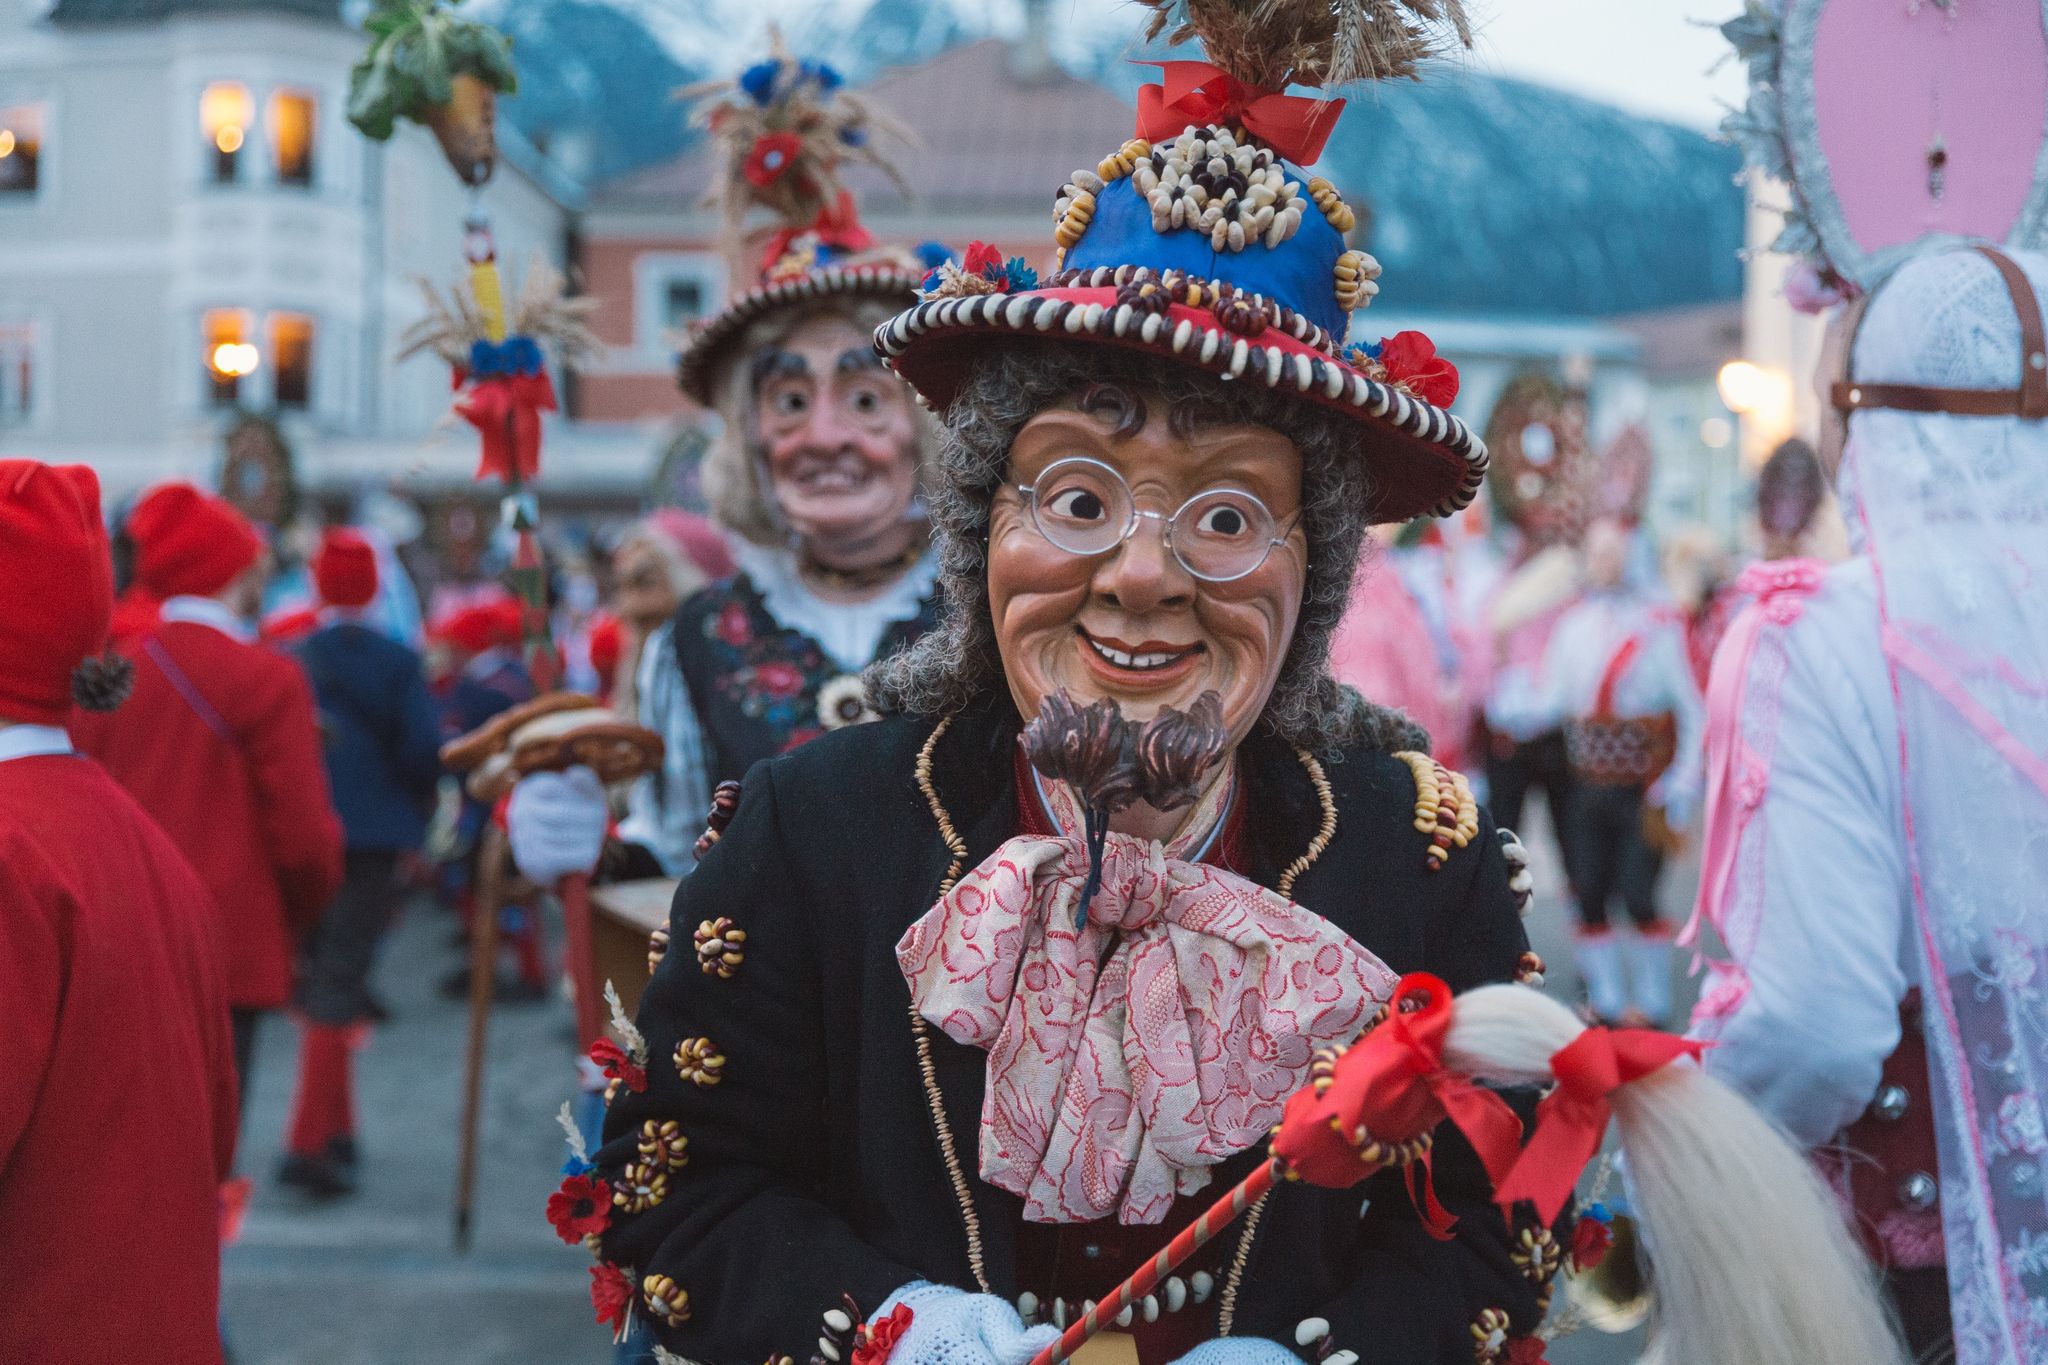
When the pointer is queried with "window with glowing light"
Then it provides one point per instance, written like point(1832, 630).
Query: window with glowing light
point(291, 360)
point(17, 373)
point(21, 148)
point(226, 113)
point(292, 117)
point(230, 356)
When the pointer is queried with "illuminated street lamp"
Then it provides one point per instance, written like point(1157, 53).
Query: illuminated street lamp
point(233, 359)
point(1762, 397)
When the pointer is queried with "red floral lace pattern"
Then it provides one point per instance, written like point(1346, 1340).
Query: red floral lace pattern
point(1163, 1035)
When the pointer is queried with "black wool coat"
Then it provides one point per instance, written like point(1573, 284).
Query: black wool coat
point(815, 1166)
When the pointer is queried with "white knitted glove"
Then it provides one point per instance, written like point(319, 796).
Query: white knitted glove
point(1240, 1351)
point(953, 1327)
point(557, 822)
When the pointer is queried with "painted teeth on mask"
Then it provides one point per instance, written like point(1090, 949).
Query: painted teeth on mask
point(1123, 660)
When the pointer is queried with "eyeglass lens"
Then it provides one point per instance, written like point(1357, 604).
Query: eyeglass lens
point(1085, 508)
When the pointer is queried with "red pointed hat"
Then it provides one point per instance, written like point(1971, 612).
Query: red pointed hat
point(345, 568)
point(56, 585)
point(786, 127)
point(189, 543)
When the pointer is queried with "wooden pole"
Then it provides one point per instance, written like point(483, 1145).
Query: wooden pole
point(493, 876)
point(574, 893)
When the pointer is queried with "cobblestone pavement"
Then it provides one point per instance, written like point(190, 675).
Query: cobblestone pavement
point(374, 1280)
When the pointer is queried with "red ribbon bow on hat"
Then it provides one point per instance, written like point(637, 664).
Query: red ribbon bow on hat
point(837, 225)
point(505, 410)
point(1391, 1087)
point(1571, 1118)
point(1202, 93)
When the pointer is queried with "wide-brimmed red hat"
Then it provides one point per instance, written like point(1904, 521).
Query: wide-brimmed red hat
point(56, 586)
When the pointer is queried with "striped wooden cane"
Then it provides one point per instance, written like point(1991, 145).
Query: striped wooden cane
point(1219, 1216)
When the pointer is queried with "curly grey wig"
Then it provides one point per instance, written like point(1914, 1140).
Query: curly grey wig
point(959, 661)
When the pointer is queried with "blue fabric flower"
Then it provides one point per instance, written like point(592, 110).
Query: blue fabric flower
point(854, 135)
point(1598, 1212)
point(933, 254)
point(1021, 275)
point(758, 81)
point(1358, 355)
point(576, 1165)
point(828, 80)
point(513, 355)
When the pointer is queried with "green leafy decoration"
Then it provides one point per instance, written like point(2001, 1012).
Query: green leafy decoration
point(417, 49)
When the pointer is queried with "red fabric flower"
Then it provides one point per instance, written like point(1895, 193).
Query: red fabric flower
point(611, 1294)
point(613, 1061)
point(801, 736)
point(1413, 364)
point(772, 157)
point(580, 1208)
point(732, 625)
point(981, 258)
point(779, 679)
point(877, 1341)
point(1525, 1351)
point(1591, 1239)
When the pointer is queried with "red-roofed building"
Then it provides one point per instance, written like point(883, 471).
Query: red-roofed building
point(649, 248)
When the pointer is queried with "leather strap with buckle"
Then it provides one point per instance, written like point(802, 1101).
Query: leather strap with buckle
point(2029, 400)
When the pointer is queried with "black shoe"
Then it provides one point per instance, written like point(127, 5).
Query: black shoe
point(341, 1150)
point(317, 1177)
point(377, 1010)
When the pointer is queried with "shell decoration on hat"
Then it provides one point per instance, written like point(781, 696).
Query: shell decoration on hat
point(1202, 240)
point(785, 127)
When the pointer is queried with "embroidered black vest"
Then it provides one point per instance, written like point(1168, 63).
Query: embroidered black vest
point(762, 688)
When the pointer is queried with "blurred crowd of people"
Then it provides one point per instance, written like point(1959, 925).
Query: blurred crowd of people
point(1567, 652)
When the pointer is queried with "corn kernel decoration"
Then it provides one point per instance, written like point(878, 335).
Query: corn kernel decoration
point(721, 947)
point(1358, 275)
point(1334, 210)
point(663, 1145)
point(1489, 1335)
point(657, 948)
point(640, 1186)
point(666, 1300)
point(699, 1061)
point(1444, 807)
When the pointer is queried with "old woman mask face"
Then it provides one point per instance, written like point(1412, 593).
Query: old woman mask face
point(837, 431)
point(1139, 555)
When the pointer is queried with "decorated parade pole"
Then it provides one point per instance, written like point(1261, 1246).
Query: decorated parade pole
point(1147, 1277)
point(428, 65)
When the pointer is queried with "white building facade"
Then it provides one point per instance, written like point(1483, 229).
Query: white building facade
point(190, 230)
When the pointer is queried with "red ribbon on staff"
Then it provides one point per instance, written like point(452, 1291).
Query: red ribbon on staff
point(1394, 1085)
point(1199, 93)
point(505, 409)
point(1572, 1118)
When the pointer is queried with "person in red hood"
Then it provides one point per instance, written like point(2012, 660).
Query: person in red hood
point(117, 1086)
point(219, 743)
point(382, 748)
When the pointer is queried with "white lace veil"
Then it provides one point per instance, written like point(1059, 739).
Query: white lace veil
point(1953, 511)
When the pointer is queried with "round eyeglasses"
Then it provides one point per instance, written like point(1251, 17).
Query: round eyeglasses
point(1085, 508)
